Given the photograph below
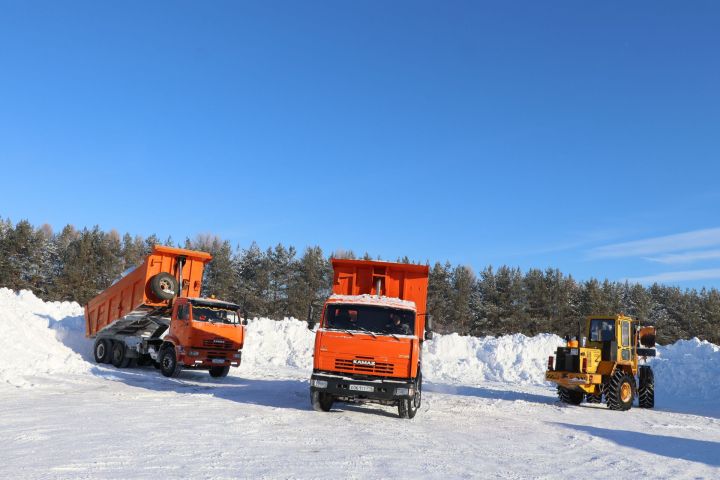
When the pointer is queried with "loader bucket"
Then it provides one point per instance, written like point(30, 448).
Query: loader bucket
point(647, 337)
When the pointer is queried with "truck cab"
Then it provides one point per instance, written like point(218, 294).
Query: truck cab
point(203, 334)
point(368, 347)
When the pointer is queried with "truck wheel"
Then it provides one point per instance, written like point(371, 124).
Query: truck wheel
point(119, 356)
point(219, 372)
point(646, 390)
point(321, 401)
point(101, 351)
point(572, 397)
point(163, 286)
point(620, 391)
point(408, 407)
point(169, 365)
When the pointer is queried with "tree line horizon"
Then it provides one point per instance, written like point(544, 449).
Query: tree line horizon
point(75, 265)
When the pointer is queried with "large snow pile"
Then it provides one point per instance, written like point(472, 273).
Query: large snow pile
point(475, 360)
point(688, 370)
point(33, 337)
point(286, 343)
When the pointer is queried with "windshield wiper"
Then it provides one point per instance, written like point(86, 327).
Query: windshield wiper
point(366, 330)
point(391, 334)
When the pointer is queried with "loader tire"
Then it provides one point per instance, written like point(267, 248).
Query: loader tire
point(163, 286)
point(646, 389)
point(169, 366)
point(570, 396)
point(593, 397)
point(321, 401)
point(219, 372)
point(101, 350)
point(620, 391)
point(119, 356)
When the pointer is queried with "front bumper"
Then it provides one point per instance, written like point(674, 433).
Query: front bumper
point(207, 360)
point(572, 379)
point(348, 387)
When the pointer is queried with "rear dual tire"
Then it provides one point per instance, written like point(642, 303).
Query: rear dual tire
point(102, 350)
point(573, 397)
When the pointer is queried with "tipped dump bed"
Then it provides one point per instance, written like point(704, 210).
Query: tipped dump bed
point(132, 294)
point(398, 280)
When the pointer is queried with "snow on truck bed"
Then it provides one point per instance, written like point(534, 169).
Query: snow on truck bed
point(486, 412)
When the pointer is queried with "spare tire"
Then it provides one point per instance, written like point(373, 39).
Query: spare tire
point(163, 286)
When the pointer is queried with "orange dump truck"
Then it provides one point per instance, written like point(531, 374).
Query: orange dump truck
point(155, 314)
point(369, 343)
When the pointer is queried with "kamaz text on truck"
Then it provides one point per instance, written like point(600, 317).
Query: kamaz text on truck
point(368, 347)
point(155, 314)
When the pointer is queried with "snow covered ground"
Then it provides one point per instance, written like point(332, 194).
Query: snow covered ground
point(486, 413)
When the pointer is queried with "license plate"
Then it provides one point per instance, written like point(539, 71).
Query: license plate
point(218, 360)
point(362, 388)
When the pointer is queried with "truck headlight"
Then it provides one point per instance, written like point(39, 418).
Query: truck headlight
point(318, 383)
point(402, 392)
point(237, 355)
point(193, 353)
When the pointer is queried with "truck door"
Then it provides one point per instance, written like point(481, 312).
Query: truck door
point(625, 341)
point(180, 322)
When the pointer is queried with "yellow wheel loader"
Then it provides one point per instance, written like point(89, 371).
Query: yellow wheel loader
point(604, 364)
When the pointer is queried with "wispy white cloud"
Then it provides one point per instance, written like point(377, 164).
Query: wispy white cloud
point(652, 246)
point(675, 277)
point(685, 257)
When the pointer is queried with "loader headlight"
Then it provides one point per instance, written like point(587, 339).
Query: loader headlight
point(319, 383)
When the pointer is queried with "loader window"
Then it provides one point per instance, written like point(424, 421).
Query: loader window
point(370, 318)
point(214, 315)
point(602, 330)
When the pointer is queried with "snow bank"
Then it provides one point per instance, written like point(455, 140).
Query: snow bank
point(475, 360)
point(286, 343)
point(33, 337)
point(687, 370)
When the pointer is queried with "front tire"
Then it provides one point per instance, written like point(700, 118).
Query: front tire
point(408, 407)
point(646, 390)
point(219, 372)
point(169, 365)
point(620, 391)
point(321, 401)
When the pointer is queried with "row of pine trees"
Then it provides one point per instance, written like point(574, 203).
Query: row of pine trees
point(280, 282)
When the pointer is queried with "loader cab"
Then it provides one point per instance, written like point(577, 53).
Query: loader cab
point(613, 336)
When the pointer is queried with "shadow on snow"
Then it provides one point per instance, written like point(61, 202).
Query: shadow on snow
point(701, 451)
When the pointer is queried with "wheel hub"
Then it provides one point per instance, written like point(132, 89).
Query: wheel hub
point(625, 392)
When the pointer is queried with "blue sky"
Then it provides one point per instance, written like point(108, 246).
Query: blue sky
point(577, 135)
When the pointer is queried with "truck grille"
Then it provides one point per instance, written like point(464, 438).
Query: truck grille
point(349, 366)
point(218, 343)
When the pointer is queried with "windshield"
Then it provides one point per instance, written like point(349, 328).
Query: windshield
point(370, 318)
point(602, 330)
point(214, 315)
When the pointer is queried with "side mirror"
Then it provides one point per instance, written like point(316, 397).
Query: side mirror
point(310, 322)
point(428, 335)
point(428, 323)
point(244, 321)
point(245, 317)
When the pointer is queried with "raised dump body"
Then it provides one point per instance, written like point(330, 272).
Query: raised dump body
point(145, 289)
point(369, 344)
point(155, 314)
